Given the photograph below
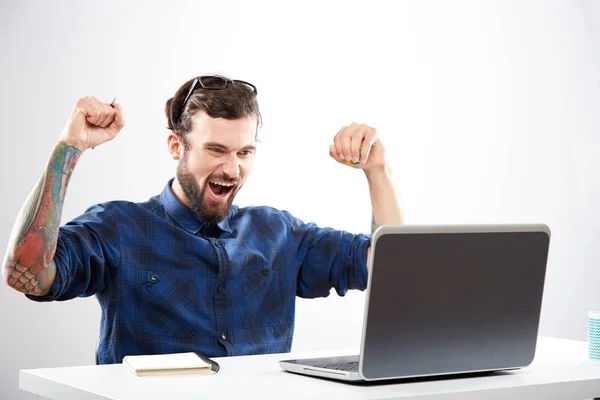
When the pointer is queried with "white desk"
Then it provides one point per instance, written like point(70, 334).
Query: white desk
point(560, 371)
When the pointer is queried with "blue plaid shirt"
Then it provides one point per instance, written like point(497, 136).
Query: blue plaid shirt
point(169, 283)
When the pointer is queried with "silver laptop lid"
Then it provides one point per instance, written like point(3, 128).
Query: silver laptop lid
point(452, 299)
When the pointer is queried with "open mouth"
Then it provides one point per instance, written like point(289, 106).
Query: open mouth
point(220, 189)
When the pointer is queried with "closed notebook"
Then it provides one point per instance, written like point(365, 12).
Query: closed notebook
point(170, 364)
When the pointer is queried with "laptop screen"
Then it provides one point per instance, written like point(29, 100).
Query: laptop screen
point(453, 302)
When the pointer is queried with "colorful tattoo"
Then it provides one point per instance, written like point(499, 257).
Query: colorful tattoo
point(28, 266)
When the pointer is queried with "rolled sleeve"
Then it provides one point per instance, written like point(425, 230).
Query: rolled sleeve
point(86, 251)
point(329, 259)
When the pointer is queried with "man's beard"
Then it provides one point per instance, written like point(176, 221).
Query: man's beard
point(196, 195)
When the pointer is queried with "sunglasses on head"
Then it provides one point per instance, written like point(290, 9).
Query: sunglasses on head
point(214, 82)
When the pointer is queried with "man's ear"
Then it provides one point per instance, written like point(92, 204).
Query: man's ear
point(175, 146)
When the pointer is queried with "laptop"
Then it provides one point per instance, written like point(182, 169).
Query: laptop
point(445, 300)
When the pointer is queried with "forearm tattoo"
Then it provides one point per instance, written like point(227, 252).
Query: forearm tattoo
point(374, 225)
point(28, 266)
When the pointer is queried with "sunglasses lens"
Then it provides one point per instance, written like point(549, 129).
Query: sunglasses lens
point(213, 82)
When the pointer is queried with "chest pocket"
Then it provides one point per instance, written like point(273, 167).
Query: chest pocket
point(268, 300)
point(169, 302)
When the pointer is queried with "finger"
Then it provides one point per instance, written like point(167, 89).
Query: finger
point(104, 115)
point(110, 116)
point(346, 142)
point(119, 122)
point(334, 154)
point(370, 139)
point(92, 115)
point(356, 143)
point(108, 113)
point(337, 142)
point(89, 106)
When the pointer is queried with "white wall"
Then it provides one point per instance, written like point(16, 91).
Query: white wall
point(488, 110)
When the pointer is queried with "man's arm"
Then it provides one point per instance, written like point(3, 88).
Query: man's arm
point(359, 146)
point(28, 265)
point(384, 200)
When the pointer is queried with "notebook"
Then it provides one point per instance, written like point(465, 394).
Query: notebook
point(170, 364)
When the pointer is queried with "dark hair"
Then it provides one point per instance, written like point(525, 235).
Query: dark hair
point(234, 102)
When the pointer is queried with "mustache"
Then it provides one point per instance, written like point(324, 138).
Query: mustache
point(222, 178)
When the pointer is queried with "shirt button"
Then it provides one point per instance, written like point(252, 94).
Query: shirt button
point(265, 272)
point(223, 336)
point(154, 278)
point(220, 289)
point(218, 244)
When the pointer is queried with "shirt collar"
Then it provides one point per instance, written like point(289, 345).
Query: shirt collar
point(183, 215)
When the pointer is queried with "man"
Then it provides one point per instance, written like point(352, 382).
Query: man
point(186, 270)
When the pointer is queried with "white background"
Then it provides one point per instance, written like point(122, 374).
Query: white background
point(488, 110)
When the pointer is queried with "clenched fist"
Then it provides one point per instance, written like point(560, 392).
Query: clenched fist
point(359, 146)
point(92, 123)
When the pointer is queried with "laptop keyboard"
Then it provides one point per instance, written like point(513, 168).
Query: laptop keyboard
point(348, 366)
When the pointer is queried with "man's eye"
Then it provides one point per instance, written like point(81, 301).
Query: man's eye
point(246, 152)
point(215, 150)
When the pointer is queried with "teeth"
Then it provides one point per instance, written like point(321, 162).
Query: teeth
point(222, 184)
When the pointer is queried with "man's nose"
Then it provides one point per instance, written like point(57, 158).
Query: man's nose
point(231, 166)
